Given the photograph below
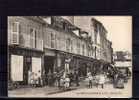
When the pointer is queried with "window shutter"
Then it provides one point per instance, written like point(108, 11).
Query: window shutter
point(33, 38)
point(15, 33)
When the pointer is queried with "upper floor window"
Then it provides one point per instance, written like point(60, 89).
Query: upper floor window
point(71, 45)
point(88, 52)
point(78, 47)
point(15, 33)
point(33, 37)
point(56, 41)
point(83, 49)
point(32, 32)
point(68, 44)
point(15, 27)
point(52, 40)
point(95, 27)
point(93, 52)
point(98, 38)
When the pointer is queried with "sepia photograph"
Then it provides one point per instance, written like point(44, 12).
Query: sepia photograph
point(70, 56)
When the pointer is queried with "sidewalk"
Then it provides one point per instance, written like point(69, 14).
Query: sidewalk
point(26, 91)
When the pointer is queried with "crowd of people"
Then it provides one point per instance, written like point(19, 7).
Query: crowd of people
point(96, 80)
point(66, 80)
point(114, 77)
point(93, 77)
point(62, 81)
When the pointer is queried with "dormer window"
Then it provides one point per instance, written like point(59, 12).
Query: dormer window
point(48, 20)
point(76, 32)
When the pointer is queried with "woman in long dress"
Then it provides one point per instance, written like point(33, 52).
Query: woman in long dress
point(102, 80)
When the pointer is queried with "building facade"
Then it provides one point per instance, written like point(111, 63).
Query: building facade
point(64, 40)
point(44, 44)
point(102, 47)
point(25, 47)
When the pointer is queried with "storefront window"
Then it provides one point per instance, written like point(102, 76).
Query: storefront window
point(17, 68)
point(36, 66)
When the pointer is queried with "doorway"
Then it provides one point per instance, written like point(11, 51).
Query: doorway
point(49, 64)
point(27, 67)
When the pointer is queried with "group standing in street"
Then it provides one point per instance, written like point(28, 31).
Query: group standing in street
point(65, 80)
point(99, 80)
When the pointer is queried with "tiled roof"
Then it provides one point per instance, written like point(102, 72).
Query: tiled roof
point(36, 18)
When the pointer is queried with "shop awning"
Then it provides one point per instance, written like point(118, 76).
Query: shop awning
point(76, 56)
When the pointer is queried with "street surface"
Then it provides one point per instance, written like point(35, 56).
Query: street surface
point(76, 92)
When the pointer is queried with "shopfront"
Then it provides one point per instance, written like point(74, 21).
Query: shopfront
point(49, 61)
point(22, 61)
point(84, 65)
point(66, 61)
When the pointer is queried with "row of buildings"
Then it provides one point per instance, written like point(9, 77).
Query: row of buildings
point(44, 44)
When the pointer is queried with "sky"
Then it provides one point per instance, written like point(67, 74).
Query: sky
point(119, 30)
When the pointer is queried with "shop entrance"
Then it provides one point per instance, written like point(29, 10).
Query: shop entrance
point(27, 68)
point(49, 64)
point(83, 69)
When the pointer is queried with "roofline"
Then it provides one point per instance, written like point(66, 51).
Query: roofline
point(35, 18)
point(93, 19)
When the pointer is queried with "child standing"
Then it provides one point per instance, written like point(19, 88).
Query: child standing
point(67, 82)
point(90, 77)
point(61, 85)
point(102, 80)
